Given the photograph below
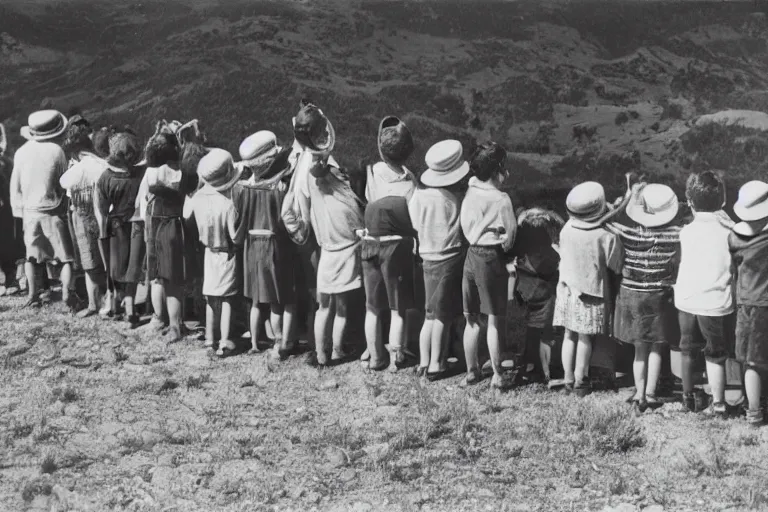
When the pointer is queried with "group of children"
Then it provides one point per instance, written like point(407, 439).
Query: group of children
point(286, 224)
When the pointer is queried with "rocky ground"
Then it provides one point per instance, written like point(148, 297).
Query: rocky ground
point(94, 416)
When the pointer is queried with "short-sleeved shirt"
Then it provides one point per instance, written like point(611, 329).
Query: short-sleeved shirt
point(485, 212)
point(116, 192)
point(216, 218)
point(80, 180)
point(389, 216)
point(37, 168)
point(750, 255)
point(586, 257)
point(435, 214)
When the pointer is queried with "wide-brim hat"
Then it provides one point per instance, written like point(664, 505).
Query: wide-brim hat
point(586, 205)
point(653, 205)
point(44, 125)
point(445, 164)
point(395, 142)
point(752, 203)
point(268, 167)
point(261, 144)
point(218, 170)
point(313, 130)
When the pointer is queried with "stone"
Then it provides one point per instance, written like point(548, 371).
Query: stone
point(654, 508)
point(622, 507)
point(361, 506)
point(348, 475)
point(72, 410)
point(486, 493)
point(336, 457)
point(376, 451)
point(328, 385)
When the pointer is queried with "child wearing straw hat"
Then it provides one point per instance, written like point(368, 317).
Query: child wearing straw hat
point(217, 219)
point(589, 255)
point(748, 243)
point(489, 225)
point(645, 314)
point(269, 255)
point(704, 290)
point(435, 210)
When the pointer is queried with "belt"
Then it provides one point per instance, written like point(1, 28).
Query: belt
point(261, 232)
point(363, 234)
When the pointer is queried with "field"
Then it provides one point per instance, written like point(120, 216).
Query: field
point(97, 417)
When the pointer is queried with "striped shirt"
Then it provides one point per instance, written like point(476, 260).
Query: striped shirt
point(651, 256)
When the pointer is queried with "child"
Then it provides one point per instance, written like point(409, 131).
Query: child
point(703, 291)
point(435, 209)
point(389, 266)
point(334, 213)
point(216, 218)
point(536, 246)
point(489, 225)
point(12, 248)
point(589, 253)
point(123, 240)
point(748, 243)
point(645, 314)
point(270, 257)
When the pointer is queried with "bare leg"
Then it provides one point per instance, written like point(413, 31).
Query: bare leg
point(437, 345)
point(373, 338)
point(340, 325)
point(210, 325)
point(753, 385)
point(639, 369)
point(716, 377)
point(494, 342)
point(289, 324)
point(321, 324)
point(226, 319)
point(157, 292)
point(396, 336)
point(255, 324)
point(583, 357)
point(92, 287)
point(173, 301)
point(654, 368)
point(471, 339)
point(30, 272)
point(568, 355)
point(425, 343)
point(545, 355)
point(66, 281)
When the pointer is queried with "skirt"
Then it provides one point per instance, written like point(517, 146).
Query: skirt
point(126, 251)
point(47, 238)
point(583, 314)
point(165, 249)
point(222, 275)
point(86, 234)
point(270, 270)
point(339, 271)
point(442, 288)
point(646, 317)
point(752, 336)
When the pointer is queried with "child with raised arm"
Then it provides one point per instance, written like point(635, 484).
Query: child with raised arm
point(489, 225)
point(589, 253)
point(704, 289)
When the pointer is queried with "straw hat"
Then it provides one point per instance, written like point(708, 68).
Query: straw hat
point(653, 206)
point(261, 144)
point(750, 207)
point(44, 125)
point(217, 169)
point(395, 141)
point(445, 164)
point(586, 204)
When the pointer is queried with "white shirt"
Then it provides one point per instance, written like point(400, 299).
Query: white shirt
point(705, 278)
point(485, 212)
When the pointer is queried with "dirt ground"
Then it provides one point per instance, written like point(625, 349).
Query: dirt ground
point(94, 417)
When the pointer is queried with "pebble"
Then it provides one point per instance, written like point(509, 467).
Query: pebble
point(72, 410)
point(348, 475)
point(328, 384)
point(622, 507)
point(361, 506)
point(336, 457)
point(486, 493)
point(654, 508)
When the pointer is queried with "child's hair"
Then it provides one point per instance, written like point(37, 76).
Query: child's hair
point(705, 191)
point(162, 149)
point(539, 227)
point(488, 160)
point(76, 140)
point(190, 157)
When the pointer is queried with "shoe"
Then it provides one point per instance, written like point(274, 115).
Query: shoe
point(32, 302)
point(702, 400)
point(446, 373)
point(472, 378)
point(421, 371)
point(499, 382)
point(653, 402)
point(378, 367)
point(754, 417)
point(403, 359)
point(133, 321)
point(568, 387)
point(87, 313)
point(366, 355)
point(155, 324)
point(582, 389)
point(719, 409)
point(173, 335)
point(689, 402)
point(226, 347)
point(12, 289)
point(209, 343)
point(639, 406)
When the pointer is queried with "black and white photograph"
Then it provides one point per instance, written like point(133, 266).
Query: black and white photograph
point(383, 255)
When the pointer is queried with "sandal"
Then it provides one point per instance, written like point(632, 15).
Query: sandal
point(719, 409)
point(472, 378)
point(639, 406)
point(87, 313)
point(653, 402)
point(381, 366)
point(451, 371)
point(421, 371)
point(33, 302)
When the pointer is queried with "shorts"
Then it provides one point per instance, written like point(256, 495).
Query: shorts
point(485, 283)
point(752, 336)
point(710, 335)
point(47, 239)
point(646, 317)
point(540, 314)
point(388, 274)
point(339, 271)
point(442, 288)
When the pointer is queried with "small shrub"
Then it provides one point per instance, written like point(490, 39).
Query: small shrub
point(196, 382)
point(606, 429)
point(35, 488)
point(168, 385)
point(621, 118)
point(48, 465)
point(20, 430)
point(714, 462)
point(67, 394)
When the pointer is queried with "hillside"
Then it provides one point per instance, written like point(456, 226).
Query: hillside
point(577, 90)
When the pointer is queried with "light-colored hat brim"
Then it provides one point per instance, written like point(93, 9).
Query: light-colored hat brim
point(231, 183)
point(432, 178)
point(27, 133)
point(636, 212)
point(751, 213)
point(746, 229)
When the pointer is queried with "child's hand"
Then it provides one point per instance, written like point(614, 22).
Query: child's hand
point(511, 268)
point(556, 247)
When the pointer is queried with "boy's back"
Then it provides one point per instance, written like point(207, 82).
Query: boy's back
point(750, 255)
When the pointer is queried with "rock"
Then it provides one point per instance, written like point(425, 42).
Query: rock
point(361, 506)
point(622, 507)
point(486, 493)
point(166, 459)
point(314, 497)
point(56, 408)
point(654, 508)
point(72, 410)
point(348, 475)
point(328, 384)
point(376, 451)
point(336, 457)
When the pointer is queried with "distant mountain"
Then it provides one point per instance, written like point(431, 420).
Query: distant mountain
point(576, 90)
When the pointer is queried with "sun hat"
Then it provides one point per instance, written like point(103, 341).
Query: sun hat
point(395, 141)
point(313, 130)
point(586, 204)
point(653, 205)
point(44, 125)
point(751, 206)
point(445, 164)
point(261, 144)
point(217, 169)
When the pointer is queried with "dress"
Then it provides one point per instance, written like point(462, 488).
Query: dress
point(165, 237)
point(270, 258)
point(116, 190)
point(12, 242)
point(80, 182)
